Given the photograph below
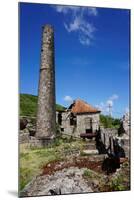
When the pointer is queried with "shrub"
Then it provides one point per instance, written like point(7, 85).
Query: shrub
point(109, 122)
point(88, 173)
point(117, 184)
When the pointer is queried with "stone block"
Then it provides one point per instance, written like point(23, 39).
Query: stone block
point(90, 152)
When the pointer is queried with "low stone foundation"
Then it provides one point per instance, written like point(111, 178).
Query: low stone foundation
point(34, 142)
point(27, 134)
point(124, 143)
point(113, 143)
point(24, 137)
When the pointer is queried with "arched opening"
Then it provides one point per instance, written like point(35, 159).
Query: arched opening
point(88, 125)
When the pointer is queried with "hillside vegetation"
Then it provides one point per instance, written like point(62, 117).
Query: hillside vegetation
point(109, 122)
point(28, 105)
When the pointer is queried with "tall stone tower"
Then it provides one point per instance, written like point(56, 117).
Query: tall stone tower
point(46, 112)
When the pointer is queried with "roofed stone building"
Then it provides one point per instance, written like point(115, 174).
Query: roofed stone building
point(79, 118)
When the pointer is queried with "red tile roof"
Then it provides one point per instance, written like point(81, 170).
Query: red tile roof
point(80, 106)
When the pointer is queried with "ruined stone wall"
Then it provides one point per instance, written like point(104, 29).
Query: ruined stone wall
point(112, 140)
point(126, 123)
point(27, 133)
point(124, 137)
point(81, 123)
point(107, 134)
point(69, 130)
point(57, 117)
point(45, 127)
point(27, 129)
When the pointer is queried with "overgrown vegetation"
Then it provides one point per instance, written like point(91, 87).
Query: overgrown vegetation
point(88, 173)
point(33, 159)
point(109, 122)
point(122, 180)
point(28, 105)
point(119, 181)
point(117, 184)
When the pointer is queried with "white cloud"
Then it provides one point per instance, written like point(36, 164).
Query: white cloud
point(73, 26)
point(68, 99)
point(109, 103)
point(67, 9)
point(101, 106)
point(114, 97)
point(78, 23)
point(93, 11)
point(104, 106)
point(126, 110)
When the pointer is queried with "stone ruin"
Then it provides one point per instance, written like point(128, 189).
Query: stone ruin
point(73, 121)
point(126, 123)
point(117, 141)
point(124, 134)
point(79, 118)
point(46, 114)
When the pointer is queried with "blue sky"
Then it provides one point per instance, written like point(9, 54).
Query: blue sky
point(91, 53)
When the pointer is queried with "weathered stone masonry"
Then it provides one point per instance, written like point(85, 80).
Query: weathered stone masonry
point(46, 119)
point(79, 118)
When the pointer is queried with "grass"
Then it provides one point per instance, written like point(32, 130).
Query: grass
point(28, 105)
point(117, 183)
point(121, 181)
point(88, 173)
point(33, 159)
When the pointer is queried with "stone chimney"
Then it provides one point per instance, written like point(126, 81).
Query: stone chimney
point(46, 112)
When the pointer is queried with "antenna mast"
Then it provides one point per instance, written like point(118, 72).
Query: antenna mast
point(110, 109)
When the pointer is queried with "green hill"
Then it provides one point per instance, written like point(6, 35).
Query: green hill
point(28, 105)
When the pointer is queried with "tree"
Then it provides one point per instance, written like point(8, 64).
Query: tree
point(109, 122)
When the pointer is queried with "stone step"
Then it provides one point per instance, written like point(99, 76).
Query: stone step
point(91, 142)
point(90, 146)
point(99, 157)
point(96, 157)
point(90, 152)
